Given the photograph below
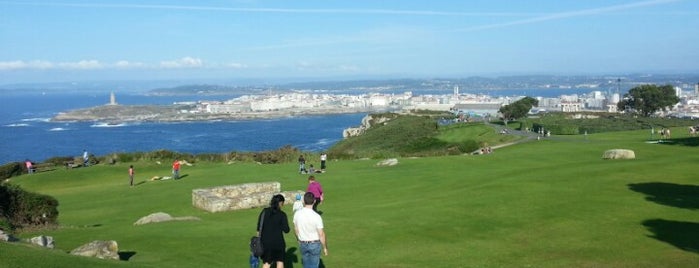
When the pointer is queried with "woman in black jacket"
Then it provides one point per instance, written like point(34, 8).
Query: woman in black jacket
point(275, 222)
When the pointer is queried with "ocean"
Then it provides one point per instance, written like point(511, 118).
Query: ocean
point(27, 133)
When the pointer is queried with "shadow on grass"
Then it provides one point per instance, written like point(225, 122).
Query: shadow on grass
point(290, 257)
point(683, 235)
point(688, 141)
point(126, 255)
point(669, 194)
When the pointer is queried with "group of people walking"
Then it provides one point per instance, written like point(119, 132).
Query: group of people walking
point(272, 223)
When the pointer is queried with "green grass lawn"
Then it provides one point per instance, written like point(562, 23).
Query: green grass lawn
point(547, 203)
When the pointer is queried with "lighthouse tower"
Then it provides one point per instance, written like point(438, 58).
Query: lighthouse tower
point(112, 99)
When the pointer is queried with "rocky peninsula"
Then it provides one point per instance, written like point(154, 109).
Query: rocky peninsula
point(115, 114)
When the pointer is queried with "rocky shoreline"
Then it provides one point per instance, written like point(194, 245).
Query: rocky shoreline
point(182, 113)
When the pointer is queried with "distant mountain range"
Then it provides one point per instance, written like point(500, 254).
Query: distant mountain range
point(218, 87)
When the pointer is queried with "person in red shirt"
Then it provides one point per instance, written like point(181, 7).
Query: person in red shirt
point(176, 169)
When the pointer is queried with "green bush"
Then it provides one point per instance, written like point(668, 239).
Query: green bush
point(563, 129)
point(59, 160)
point(11, 169)
point(281, 155)
point(22, 209)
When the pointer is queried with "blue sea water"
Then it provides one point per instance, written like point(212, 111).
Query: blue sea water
point(27, 133)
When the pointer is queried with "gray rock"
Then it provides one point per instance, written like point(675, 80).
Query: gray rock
point(6, 237)
point(155, 217)
point(388, 162)
point(240, 196)
point(619, 154)
point(99, 249)
point(162, 217)
point(42, 240)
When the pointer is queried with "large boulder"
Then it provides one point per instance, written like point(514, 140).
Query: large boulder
point(7, 237)
point(619, 154)
point(367, 122)
point(99, 249)
point(42, 240)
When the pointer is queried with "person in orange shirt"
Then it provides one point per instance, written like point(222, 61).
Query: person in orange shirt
point(176, 169)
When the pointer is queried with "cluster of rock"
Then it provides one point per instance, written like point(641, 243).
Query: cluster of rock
point(367, 122)
point(216, 199)
point(240, 196)
point(102, 249)
point(98, 248)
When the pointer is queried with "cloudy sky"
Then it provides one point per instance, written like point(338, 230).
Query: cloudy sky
point(56, 41)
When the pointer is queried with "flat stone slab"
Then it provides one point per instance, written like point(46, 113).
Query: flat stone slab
point(240, 196)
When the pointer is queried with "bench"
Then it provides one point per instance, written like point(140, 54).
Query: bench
point(71, 164)
point(43, 167)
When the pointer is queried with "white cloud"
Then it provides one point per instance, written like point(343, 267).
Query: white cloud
point(18, 65)
point(186, 62)
point(81, 65)
point(123, 64)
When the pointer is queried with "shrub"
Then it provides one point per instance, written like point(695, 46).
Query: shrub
point(21, 209)
point(11, 169)
point(59, 160)
point(286, 153)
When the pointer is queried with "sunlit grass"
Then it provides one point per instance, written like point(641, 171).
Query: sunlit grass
point(547, 203)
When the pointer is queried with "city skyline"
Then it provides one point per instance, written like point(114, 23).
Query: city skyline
point(248, 39)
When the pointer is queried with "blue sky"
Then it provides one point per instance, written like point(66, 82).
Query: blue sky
point(56, 41)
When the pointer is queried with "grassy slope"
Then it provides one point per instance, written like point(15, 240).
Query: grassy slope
point(549, 203)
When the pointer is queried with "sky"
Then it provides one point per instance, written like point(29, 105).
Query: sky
point(67, 40)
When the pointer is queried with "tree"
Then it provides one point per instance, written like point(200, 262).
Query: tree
point(648, 99)
point(518, 109)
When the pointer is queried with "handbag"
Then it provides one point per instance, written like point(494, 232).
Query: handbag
point(256, 241)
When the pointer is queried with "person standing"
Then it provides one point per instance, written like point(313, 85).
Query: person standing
point(302, 164)
point(86, 158)
point(131, 173)
point(316, 189)
point(298, 204)
point(323, 158)
point(176, 169)
point(274, 224)
point(308, 226)
point(30, 167)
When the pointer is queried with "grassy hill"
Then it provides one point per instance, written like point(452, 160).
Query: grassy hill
point(418, 135)
point(547, 203)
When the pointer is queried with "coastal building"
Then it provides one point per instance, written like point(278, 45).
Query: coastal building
point(477, 109)
point(570, 107)
point(227, 108)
